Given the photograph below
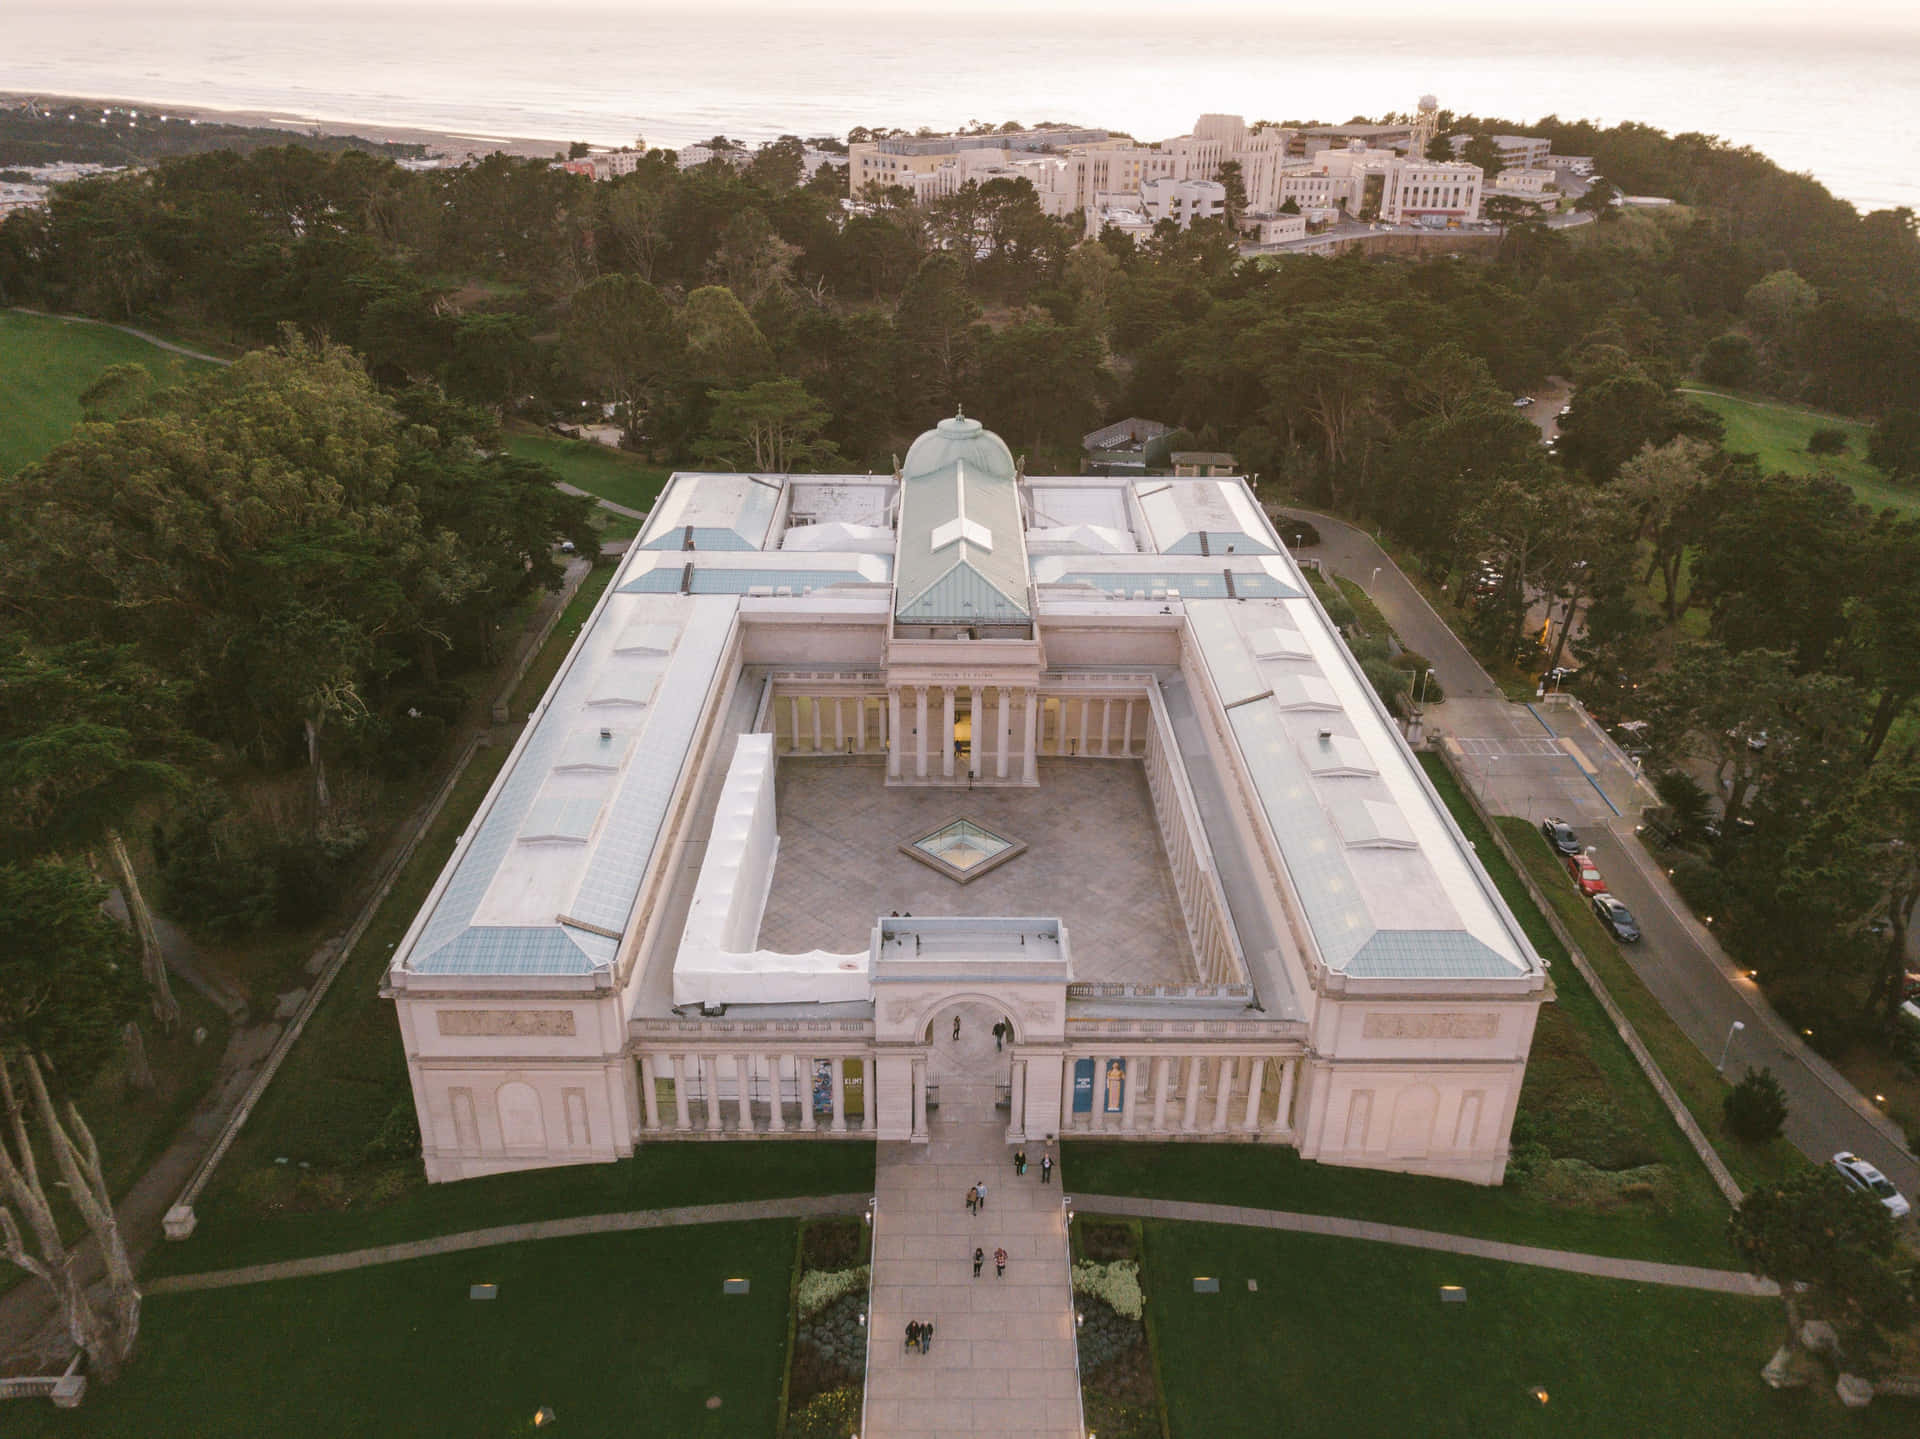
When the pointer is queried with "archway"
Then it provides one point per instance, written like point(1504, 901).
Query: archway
point(969, 1070)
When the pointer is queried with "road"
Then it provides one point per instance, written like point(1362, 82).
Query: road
point(1547, 759)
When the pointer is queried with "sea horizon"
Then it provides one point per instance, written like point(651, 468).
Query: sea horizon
point(1812, 101)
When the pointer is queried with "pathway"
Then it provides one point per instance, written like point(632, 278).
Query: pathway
point(1643, 1271)
point(567, 489)
point(804, 1207)
point(1002, 1361)
point(154, 340)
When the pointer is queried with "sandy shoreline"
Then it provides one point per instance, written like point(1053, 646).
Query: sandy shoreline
point(450, 143)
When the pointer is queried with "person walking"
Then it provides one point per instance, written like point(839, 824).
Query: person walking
point(1046, 1169)
point(926, 1337)
point(956, 1026)
point(980, 1203)
point(913, 1336)
point(1019, 1161)
point(973, 1200)
point(979, 1258)
point(999, 1263)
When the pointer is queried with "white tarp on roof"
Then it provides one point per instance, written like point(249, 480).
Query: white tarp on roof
point(839, 537)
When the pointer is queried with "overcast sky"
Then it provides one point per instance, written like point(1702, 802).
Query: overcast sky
point(1540, 14)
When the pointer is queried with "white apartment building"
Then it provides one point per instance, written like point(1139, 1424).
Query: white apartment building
point(1399, 189)
point(1516, 152)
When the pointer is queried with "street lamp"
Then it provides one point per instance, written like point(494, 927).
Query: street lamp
point(1375, 580)
point(1727, 1048)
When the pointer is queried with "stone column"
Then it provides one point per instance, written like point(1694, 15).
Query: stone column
point(893, 734)
point(1222, 1092)
point(1086, 707)
point(920, 732)
point(1191, 1112)
point(975, 730)
point(1282, 1114)
point(1032, 760)
point(682, 1082)
point(1017, 1109)
point(919, 1099)
point(803, 1086)
point(1160, 1095)
point(839, 1064)
point(1097, 1110)
point(793, 720)
point(1257, 1067)
point(1135, 1070)
point(860, 725)
point(710, 1082)
point(813, 706)
point(649, 1098)
point(839, 725)
point(947, 697)
point(1003, 737)
point(1106, 727)
point(776, 1112)
point(1066, 1092)
point(1126, 729)
point(743, 1080)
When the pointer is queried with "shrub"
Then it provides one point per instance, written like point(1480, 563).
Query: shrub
point(1729, 359)
point(830, 1244)
point(1104, 1240)
point(1755, 1109)
point(1117, 1284)
point(1827, 442)
point(399, 1134)
point(214, 873)
point(819, 1288)
point(1687, 798)
point(829, 1349)
point(832, 1415)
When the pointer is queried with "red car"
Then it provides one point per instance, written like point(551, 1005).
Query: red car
point(1585, 875)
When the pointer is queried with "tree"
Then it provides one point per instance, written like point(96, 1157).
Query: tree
point(120, 390)
point(1814, 1229)
point(67, 989)
point(1618, 406)
point(752, 260)
point(723, 345)
point(1480, 150)
point(1599, 200)
point(778, 164)
point(1893, 446)
point(1729, 359)
point(1234, 182)
point(620, 337)
point(1663, 489)
point(1881, 649)
point(1755, 1109)
point(772, 427)
point(1778, 305)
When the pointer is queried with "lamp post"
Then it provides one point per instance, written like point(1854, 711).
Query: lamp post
point(1375, 580)
point(1727, 1048)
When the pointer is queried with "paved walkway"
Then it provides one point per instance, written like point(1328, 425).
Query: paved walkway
point(1643, 1271)
point(803, 1207)
point(567, 489)
point(154, 340)
point(1002, 1361)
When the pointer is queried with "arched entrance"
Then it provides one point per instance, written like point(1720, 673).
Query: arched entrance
point(969, 1069)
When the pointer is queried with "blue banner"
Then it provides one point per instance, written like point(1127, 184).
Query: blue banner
point(1083, 1086)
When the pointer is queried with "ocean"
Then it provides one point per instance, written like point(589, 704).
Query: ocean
point(1814, 99)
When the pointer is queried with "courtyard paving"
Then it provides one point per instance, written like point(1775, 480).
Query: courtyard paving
point(1094, 859)
point(1002, 1359)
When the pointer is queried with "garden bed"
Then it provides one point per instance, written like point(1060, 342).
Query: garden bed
point(827, 1330)
point(1119, 1370)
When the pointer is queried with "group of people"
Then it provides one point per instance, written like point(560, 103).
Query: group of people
point(919, 1336)
point(999, 1262)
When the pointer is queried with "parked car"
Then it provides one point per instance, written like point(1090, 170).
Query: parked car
point(1868, 1180)
point(1585, 875)
point(1520, 402)
point(1617, 918)
point(1558, 833)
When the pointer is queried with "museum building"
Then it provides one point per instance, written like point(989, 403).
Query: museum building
point(842, 762)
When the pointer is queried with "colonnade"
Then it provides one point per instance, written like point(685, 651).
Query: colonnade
point(1004, 726)
point(1094, 726)
point(829, 723)
point(696, 1074)
point(1203, 903)
point(1199, 1092)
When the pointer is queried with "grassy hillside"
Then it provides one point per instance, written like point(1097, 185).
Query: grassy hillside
point(44, 365)
point(1778, 433)
point(599, 470)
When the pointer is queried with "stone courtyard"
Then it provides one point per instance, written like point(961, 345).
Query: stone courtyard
point(1094, 859)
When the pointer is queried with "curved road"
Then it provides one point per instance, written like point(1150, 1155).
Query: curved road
point(1549, 759)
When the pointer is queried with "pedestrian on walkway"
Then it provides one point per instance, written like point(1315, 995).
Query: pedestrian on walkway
point(956, 1026)
point(980, 1204)
point(926, 1337)
point(1046, 1169)
point(979, 1258)
point(973, 1200)
point(999, 1263)
point(1019, 1161)
point(913, 1336)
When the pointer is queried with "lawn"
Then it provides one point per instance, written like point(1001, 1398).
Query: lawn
point(598, 469)
point(1350, 1338)
point(621, 1334)
point(1584, 1100)
point(44, 365)
point(1777, 433)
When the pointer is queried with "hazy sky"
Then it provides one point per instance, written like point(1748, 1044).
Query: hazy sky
point(1539, 14)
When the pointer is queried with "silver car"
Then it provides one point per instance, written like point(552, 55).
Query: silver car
point(1864, 1177)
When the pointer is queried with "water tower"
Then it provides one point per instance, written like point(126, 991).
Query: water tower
point(1426, 121)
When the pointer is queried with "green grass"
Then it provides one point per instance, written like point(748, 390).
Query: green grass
point(1687, 1069)
point(1350, 1338)
point(599, 470)
point(44, 365)
point(622, 1334)
point(1777, 432)
point(1576, 1056)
